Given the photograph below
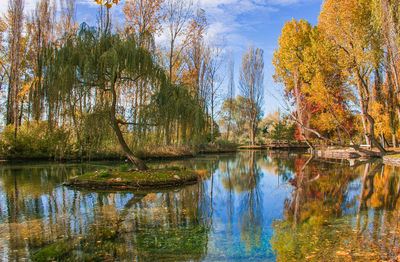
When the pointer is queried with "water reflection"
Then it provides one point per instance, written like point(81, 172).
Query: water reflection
point(256, 205)
point(340, 213)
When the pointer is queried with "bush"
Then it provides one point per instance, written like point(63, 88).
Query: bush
point(34, 140)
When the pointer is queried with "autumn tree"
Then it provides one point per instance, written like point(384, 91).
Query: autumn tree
point(15, 18)
point(347, 23)
point(214, 82)
point(308, 64)
point(3, 52)
point(143, 18)
point(291, 70)
point(195, 59)
point(233, 112)
point(40, 27)
point(252, 86)
point(328, 93)
point(177, 16)
point(104, 24)
point(66, 24)
point(385, 20)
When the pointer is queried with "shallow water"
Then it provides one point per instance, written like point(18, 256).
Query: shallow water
point(250, 206)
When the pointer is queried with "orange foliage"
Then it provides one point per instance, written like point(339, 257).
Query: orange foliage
point(143, 16)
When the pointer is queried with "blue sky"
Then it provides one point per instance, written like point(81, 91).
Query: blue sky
point(238, 22)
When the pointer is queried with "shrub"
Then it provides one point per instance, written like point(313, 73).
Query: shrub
point(34, 140)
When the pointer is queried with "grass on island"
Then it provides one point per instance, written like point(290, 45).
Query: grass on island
point(123, 178)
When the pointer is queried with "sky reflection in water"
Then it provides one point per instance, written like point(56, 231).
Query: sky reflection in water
point(263, 206)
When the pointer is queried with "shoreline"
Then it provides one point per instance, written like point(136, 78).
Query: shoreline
point(149, 157)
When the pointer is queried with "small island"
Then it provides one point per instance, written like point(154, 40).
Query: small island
point(135, 179)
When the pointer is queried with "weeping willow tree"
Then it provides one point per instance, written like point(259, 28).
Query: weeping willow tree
point(100, 66)
point(174, 104)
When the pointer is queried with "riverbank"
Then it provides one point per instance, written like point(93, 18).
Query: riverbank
point(338, 153)
point(272, 146)
point(134, 179)
point(146, 153)
point(335, 152)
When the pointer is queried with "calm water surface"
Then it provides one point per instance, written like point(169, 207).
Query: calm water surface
point(250, 206)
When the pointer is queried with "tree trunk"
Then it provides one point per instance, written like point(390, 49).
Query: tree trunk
point(115, 124)
point(212, 117)
point(366, 117)
point(253, 132)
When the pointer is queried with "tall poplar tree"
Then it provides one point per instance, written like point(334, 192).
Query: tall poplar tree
point(252, 86)
point(15, 18)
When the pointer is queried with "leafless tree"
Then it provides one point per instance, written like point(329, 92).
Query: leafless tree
point(67, 16)
point(214, 81)
point(252, 86)
point(231, 91)
point(177, 16)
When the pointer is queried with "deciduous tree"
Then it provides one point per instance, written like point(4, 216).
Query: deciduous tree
point(252, 86)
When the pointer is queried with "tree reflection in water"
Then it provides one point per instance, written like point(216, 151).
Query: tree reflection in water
point(42, 220)
point(322, 211)
point(250, 214)
point(329, 218)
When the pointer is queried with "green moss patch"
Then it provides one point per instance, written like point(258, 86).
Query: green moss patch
point(128, 179)
point(53, 252)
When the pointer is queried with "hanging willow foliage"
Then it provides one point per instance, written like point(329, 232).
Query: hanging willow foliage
point(93, 63)
point(86, 77)
point(174, 103)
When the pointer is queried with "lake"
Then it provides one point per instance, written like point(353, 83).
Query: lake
point(249, 206)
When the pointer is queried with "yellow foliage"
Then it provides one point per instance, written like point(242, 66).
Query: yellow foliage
point(107, 3)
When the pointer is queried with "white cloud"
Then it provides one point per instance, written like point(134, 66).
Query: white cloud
point(229, 18)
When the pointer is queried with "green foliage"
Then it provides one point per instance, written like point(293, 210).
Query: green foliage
point(35, 140)
point(53, 252)
point(233, 114)
point(278, 128)
point(95, 131)
point(175, 103)
point(133, 180)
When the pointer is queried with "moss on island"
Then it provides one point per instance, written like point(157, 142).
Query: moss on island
point(135, 179)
